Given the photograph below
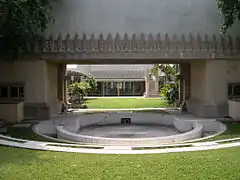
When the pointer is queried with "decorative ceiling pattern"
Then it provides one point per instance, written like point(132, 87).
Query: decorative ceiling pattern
point(138, 47)
point(141, 43)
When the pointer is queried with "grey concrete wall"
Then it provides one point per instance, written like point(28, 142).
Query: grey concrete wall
point(136, 16)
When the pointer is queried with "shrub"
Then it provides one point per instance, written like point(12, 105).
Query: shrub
point(79, 89)
point(169, 92)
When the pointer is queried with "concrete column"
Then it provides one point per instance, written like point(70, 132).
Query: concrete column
point(146, 86)
point(185, 81)
point(152, 87)
point(65, 88)
point(133, 90)
point(60, 82)
point(156, 85)
point(103, 88)
point(209, 97)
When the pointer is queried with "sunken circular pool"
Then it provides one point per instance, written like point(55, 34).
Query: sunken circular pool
point(128, 129)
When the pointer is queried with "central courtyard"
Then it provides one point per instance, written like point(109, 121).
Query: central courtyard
point(173, 62)
point(43, 165)
point(121, 103)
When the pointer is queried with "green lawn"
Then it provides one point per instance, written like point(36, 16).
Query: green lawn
point(233, 131)
point(117, 103)
point(25, 133)
point(24, 164)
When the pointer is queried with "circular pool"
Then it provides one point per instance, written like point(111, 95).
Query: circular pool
point(128, 129)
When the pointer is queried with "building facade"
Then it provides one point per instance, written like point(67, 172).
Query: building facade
point(120, 80)
point(130, 32)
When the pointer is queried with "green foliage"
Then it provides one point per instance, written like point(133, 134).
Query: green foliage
point(168, 69)
point(79, 88)
point(230, 12)
point(169, 92)
point(22, 23)
point(91, 81)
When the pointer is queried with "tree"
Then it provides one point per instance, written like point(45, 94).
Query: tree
point(92, 82)
point(230, 12)
point(167, 69)
point(169, 90)
point(22, 24)
point(80, 89)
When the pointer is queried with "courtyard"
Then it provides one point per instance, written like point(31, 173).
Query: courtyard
point(34, 164)
point(119, 103)
point(195, 134)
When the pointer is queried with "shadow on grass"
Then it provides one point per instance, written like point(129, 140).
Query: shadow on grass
point(17, 156)
point(233, 130)
point(25, 133)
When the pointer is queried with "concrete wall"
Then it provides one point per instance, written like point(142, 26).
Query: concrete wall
point(209, 88)
point(136, 16)
point(41, 86)
point(197, 79)
point(32, 73)
point(52, 88)
point(234, 109)
point(12, 112)
point(233, 71)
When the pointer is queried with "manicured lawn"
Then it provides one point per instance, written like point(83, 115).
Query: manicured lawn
point(23, 164)
point(25, 133)
point(233, 131)
point(117, 103)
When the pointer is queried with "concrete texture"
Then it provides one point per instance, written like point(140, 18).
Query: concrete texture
point(146, 129)
point(68, 147)
point(128, 131)
point(60, 147)
point(136, 16)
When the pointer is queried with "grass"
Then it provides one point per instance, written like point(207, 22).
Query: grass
point(233, 131)
point(24, 133)
point(25, 164)
point(117, 103)
point(95, 111)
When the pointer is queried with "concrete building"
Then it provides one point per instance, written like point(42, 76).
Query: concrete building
point(126, 32)
point(121, 80)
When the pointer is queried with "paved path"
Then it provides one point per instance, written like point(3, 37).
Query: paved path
point(112, 149)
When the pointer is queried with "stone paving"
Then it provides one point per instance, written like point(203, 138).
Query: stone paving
point(113, 149)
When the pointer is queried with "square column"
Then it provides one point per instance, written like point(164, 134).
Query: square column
point(209, 86)
point(62, 85)
point(185, 82)
point(151, 86)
